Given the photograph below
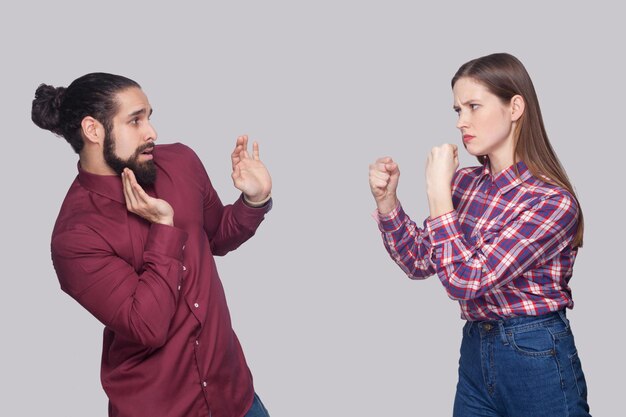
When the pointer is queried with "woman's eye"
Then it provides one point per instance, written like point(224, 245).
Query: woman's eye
point(474, 106)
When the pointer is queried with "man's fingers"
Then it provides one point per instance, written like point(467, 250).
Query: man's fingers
point(255, 151)
point(245, 146)
point(235, 159)
point(236, 172)
point(129, 195)
point(135, 194)
point(241, 149)
point(238, 149)
point(238, 146)
point(132, 186)
point(125, 189)
point(140, 195)
point(131, 178)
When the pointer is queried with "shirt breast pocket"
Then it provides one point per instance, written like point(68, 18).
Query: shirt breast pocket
point(495, 228)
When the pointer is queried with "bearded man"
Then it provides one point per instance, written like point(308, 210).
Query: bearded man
point(134, 244)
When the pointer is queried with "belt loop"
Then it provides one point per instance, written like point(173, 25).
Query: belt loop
point(502, 332)
point(564, 318)
point(470, 324)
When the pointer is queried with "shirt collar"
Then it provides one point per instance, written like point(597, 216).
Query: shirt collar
point(508, 178)
point(109, 186)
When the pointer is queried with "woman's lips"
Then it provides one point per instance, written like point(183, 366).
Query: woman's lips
point(467, 138)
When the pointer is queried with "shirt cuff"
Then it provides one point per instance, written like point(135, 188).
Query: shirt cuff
point(392, 221)
point(250, 216)
point(167, 240)
point(444, 228)
point(260, 204)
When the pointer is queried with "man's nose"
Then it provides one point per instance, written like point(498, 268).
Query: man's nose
point(151, 133)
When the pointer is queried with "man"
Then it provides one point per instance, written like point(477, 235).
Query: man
point(134, 244)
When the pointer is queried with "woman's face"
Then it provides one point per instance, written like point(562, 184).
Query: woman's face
point(486, 124)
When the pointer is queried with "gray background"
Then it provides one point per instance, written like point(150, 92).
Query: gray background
point(330, 325)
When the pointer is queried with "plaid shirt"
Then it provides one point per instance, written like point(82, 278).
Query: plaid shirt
point(504, 251)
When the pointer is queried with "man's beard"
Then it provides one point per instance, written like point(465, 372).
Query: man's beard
point(145, 172)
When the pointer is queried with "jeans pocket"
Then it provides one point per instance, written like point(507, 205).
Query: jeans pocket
point(535, 341)
point(579, 377)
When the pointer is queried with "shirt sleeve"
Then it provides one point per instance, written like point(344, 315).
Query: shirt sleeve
point(136, 305)
point(535, 236)
point(407, 244)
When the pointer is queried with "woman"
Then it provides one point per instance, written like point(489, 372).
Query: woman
point(502, 237)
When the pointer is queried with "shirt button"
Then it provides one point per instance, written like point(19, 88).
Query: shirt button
point(179, 288)
point(196, 305)
point(183, 247)
point(204, 383)
point(197, 343)
point(184, 268)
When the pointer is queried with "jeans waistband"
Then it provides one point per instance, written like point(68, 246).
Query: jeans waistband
point(512, 322)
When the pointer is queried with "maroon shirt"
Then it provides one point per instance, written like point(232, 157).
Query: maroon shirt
point(169, 348)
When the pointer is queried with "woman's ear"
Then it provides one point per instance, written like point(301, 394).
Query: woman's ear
point(518, 105)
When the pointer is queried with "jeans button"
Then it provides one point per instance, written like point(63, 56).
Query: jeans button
point(487, 327)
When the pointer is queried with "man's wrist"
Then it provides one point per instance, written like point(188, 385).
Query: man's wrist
point(168, 221)
point(259, 203)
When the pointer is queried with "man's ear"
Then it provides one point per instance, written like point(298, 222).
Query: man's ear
point(517, 107)
point(93, 130)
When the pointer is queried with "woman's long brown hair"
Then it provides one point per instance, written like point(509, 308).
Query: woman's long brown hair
point(505, 76)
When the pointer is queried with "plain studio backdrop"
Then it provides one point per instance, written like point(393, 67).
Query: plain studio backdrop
point(329, 324)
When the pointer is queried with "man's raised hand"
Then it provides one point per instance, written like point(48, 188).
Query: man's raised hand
point(250, 175)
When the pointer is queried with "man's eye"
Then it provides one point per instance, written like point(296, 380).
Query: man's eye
point(134, 121)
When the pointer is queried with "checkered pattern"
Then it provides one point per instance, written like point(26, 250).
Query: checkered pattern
point(504, 251)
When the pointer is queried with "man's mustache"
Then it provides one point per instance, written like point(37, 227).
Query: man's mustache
point(143, 148)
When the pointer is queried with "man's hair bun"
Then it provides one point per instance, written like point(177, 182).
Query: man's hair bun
point(46, 108)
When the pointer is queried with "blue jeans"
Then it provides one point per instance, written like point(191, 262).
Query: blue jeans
point(257, 409)
point(520, 367)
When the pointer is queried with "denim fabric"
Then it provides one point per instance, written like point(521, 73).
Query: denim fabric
point(520, 367)
point(257, 409)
